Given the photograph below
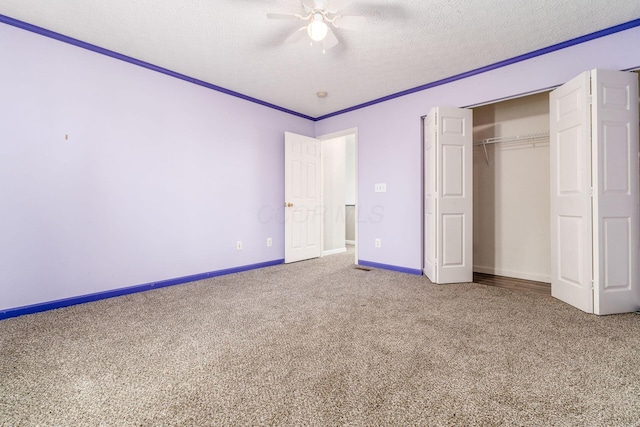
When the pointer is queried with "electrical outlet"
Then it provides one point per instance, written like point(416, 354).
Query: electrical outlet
point(269, 242)
point(239, 245)
point(378, 243)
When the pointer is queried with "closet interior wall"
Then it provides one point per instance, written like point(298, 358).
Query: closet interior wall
point(511, 228)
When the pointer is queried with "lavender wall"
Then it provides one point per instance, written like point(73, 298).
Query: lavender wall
point(389, 134)
point(159, 177)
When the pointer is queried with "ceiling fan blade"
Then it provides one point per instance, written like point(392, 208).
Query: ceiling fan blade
point(335, 5)
point(297, 35)
point(309, 4)
point(282, 16)
point(350, 22)
point(330, 40)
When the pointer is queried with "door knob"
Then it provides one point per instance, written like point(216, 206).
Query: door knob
point(288, 205)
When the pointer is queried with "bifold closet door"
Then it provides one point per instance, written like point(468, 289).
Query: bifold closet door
point(570, 156)
point(595, 216)
point(616, 184)
point(430, 191)
point(448, 195)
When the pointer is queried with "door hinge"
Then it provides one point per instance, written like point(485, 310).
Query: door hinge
point(590, 99)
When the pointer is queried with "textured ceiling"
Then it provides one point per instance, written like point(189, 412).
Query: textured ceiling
point(407, 43)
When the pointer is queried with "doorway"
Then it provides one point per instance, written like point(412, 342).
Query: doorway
point(339, 192)
point(511, 189)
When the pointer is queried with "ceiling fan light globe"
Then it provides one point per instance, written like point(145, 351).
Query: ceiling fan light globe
point(317, 30)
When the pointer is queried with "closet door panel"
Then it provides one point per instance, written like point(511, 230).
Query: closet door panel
point(570, 155)
point(430, 189)
point(455, 189)
point(453, 231)
point(616, 192)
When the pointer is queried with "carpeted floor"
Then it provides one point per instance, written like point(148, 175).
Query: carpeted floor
point(321, 343)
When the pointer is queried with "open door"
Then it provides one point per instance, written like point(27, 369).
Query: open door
point(616, 186)
point(570, 156)
point(595, 192)
point(431, 197)
point(449, 195)
point(303, 203)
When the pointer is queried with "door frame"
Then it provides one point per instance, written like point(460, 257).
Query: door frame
point(351, 131)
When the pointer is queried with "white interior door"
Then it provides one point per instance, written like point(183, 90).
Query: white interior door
point(616, 192)
point(449, 195)
point(303, 202)
point(430, 192)
point(570, 156)
point(595, 214)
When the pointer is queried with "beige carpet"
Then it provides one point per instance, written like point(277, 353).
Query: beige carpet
point(321, 343)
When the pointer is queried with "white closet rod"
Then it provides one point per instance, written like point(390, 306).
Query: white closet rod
point(530, 137)
point(514, 138)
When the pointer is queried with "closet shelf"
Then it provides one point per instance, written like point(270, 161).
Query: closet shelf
point(515, 138)
point(530, 137)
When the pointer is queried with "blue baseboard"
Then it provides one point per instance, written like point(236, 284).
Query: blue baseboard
point(50, 305)
point(415, 271)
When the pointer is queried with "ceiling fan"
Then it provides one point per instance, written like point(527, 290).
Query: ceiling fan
point(319, 17)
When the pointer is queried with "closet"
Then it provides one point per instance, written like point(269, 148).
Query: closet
point(511, 230)
point(556, 191)
point(563, 206)
point(494, 220)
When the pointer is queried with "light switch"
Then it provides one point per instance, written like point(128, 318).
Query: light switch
point(381, 188)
